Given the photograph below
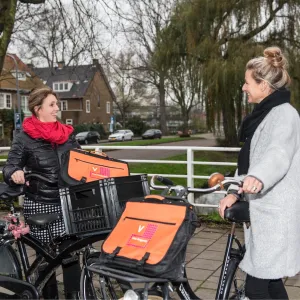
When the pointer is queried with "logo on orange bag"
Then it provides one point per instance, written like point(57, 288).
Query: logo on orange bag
point(99, 172)
point(142, 240)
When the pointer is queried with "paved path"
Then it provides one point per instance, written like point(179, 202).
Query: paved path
point(205, 140)
point(204, 258)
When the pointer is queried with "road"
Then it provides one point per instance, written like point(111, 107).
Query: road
point(206, 140)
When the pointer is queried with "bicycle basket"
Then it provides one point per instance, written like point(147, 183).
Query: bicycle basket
point(96, 206)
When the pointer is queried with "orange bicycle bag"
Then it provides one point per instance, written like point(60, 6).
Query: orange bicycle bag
point(151, 237)
point(79, 166)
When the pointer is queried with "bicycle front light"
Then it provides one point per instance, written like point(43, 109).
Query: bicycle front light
point(131, 295)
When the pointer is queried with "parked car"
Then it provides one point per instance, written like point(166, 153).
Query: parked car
point(152, 134)
point(121, 135)
point(88, 137)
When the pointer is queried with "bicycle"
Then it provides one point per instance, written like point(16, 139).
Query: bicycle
point(94, 223)
point(161, 287)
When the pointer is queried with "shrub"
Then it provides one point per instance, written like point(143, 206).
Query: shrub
point(137, 125)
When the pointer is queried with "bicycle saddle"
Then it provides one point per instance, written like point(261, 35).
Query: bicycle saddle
point(42, 219)
point(238, 212)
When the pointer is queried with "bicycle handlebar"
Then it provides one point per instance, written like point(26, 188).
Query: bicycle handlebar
point(28, 175)
point(217, 187)
point(8, 192)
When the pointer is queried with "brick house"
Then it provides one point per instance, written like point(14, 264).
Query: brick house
point(27, 80)
point(84, 92)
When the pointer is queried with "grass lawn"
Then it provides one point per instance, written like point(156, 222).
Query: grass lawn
point(212, 156)
point(152, 142)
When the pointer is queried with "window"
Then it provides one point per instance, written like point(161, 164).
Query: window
point(24, 103)
point(21, 75)
point(98, 101)
point(63, 105)
point(87, 106)
point(62, 86)
point(69, 121)
point(8, 101)
point(5, 100)
point(108, 107)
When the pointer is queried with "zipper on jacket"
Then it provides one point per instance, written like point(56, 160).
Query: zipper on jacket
point(166, 223)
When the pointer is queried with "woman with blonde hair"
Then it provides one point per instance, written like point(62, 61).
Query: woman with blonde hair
point(269, 164)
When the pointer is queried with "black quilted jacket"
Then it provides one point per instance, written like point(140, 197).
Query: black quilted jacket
point(41, 157)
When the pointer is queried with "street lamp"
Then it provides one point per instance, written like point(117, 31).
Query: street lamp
point(17, 116)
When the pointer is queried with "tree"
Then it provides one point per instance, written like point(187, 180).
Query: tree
point(7, 19)
point(58, 31)
point(55, 30)
point(225, 35)
point(143, 22)
point(185, 84)
point(126, 84)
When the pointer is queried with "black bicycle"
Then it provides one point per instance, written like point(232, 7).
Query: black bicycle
point(89, 221)
point(97, 280)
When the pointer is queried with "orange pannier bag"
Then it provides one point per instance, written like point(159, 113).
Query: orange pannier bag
point(151, 237)
point(80, 166)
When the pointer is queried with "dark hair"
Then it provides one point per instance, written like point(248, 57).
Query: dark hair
point(37, 96)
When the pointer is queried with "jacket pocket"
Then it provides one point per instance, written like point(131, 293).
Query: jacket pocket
point(267, 240)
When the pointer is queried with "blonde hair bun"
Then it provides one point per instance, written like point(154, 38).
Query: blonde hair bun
point(275, 57)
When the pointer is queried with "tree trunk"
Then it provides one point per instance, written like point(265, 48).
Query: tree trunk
point(185, 118)
point(7, 19)
point(229, 127)
point(162, 105)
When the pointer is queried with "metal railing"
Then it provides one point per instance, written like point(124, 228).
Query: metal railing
point(189, 162)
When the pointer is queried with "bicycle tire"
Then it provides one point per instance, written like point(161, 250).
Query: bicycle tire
point(231, 272)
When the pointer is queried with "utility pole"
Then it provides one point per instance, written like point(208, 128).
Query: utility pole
point(17, 116)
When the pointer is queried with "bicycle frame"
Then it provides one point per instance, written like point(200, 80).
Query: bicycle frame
point(49, 255)
point(231, 260)
point(182, 286)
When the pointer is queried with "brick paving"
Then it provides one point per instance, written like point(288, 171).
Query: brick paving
point(203, 262)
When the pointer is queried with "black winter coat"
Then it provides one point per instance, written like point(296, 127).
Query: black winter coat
point(38, 156)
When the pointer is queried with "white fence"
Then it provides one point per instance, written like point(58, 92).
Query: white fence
point(190, 162)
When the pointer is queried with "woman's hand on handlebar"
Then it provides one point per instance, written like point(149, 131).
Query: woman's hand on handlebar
point(18, 177)
point(251, 185)
point(228, 201)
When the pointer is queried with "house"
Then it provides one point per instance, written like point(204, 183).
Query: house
point(84, 91)
point(27, 80)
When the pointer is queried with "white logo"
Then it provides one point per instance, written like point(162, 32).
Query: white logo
point(141, 228)
point(95, 169)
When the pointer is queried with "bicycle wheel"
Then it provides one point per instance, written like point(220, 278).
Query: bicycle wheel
point(234, 287)
point(115, 289)
point(90, 288)
point(90, 284)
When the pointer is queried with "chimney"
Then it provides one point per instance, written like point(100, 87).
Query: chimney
point(60, 64)
point(30, 66)
point(95, 61)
